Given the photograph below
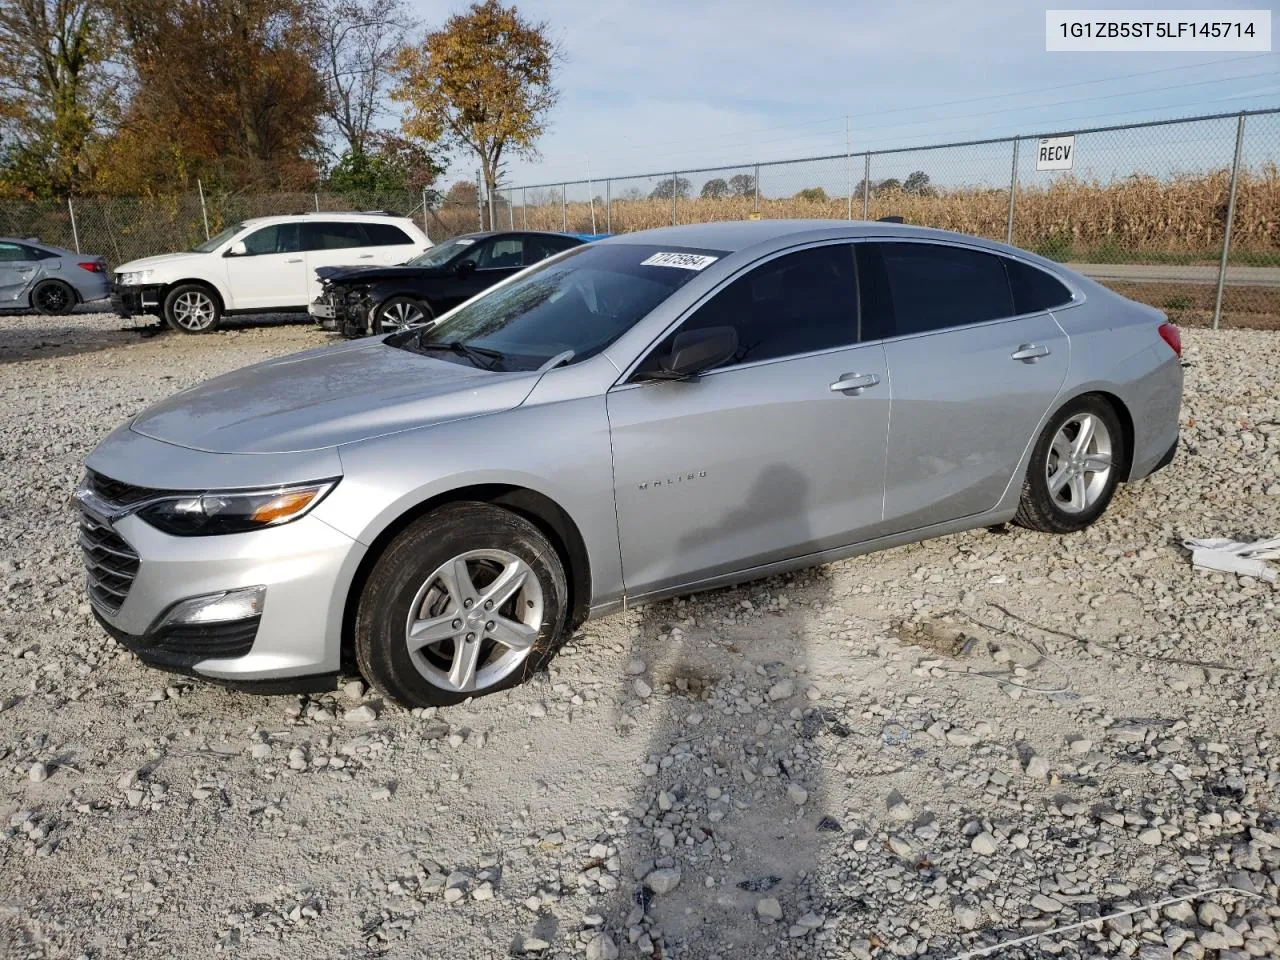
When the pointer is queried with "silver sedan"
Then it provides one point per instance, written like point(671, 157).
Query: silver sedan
point(47, 279)
point(649, 415)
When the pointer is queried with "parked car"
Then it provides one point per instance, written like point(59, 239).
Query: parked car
point(266, 265)
point(356, 300)
point(649, 415)
point(48, 279)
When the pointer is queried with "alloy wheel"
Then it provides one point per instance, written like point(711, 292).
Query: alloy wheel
point(475, 620)
point(399, 316)
point(193, 310)
point(1080, 463)
point(52, 298)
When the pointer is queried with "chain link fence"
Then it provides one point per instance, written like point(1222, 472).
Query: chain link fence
point(1144, 207)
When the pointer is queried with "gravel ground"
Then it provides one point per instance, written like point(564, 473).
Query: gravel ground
point(921, 752)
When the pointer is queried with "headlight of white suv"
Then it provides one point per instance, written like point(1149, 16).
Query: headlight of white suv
point(133, 277)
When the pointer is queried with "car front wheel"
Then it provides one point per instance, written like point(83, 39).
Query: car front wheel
point(399, 313)
point(1075, 468)
point(192, 308)
point(467, 600)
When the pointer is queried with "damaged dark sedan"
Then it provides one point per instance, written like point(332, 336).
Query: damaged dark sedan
point(361, 300)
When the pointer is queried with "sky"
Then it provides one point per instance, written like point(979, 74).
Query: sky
point(652, 85)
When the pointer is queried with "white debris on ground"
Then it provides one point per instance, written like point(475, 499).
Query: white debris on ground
point(1231, 556)
point(918, 753)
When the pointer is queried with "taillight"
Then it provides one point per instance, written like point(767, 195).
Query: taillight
point(92, 266)
point(1172, 336)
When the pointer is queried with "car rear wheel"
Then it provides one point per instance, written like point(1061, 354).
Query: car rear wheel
point(399, 313)
point(53, 298)
point(192, 308)
point(467, 600)
point(1075, 468)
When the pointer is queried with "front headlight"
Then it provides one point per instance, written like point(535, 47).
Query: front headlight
point(134, 277)
point(234, 511)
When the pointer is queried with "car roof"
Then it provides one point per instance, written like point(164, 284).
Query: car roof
point(483, 234)
point(371, 216)
point(731, 236)
point(39, 245)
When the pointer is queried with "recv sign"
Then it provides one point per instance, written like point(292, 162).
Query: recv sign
point(1055, 153)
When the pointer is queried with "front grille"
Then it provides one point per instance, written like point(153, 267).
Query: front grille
point(118, 493)
point(110, 563)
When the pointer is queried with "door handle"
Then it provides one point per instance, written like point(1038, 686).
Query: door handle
point(294, 260)
point(1030, 352)
point(853, 384)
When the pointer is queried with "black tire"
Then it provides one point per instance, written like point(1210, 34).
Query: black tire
point(53, 298)
point(192, 308)
point(1050, 512)
point(403, 576)
point(398, 312)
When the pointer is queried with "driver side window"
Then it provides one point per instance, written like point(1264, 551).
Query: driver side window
point(277, 238)
point(797, 303)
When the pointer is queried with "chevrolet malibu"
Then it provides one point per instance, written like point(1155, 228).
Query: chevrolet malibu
point(649, 415)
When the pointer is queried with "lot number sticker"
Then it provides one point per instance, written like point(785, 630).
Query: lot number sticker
point(685, 261)
point(1055, 153)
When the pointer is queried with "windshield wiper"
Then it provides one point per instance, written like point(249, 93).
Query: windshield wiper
point(482, 357)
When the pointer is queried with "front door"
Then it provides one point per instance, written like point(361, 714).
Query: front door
point(760, 460)
point(488, 262)
point(271, 272)
point(17, 274)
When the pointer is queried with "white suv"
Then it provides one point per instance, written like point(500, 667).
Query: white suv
point(262, 265)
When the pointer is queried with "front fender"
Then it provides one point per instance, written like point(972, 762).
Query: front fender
point(558, 450)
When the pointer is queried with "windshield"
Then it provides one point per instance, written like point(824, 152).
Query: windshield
point(218, 239)
point(581, 303)
point(441, 253)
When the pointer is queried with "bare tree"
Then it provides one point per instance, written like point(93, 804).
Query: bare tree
point(358, 41)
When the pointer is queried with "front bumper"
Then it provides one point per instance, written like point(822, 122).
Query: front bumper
point(306, 567)
point(135, 301)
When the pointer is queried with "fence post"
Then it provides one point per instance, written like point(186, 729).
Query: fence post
point(1013, 193)
point(1231, 214)
point(204, 211)
point(317, 196)
point(511, 208)
point(524, 206)
point(848, 162)
point(673, 198)
point(608, 206)
point(866, 186)
point(564, 207)
point(75, 233)
point(756, 183)
point(424, 213)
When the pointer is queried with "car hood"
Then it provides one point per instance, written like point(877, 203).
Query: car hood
point(368, 274)
point(326, 397)
point(164, 259)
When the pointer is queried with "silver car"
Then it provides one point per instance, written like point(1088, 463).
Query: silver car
point(647, 415)
point(47, 279)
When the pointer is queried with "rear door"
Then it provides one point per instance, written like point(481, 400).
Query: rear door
point(335, 243)
point(390, 243)
point(973, 373)
point(271, 273)
point(18, 269)
point(764, 458)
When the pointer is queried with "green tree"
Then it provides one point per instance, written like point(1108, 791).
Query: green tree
point(56, 92)
point(671, 186)
point(812, 194)
point(917, 183)
point(742, 185)
point(388, 164)
point(482, 81)
point(888, 186)
point(716, 189)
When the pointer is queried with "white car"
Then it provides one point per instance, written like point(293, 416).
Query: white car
point(263, 265)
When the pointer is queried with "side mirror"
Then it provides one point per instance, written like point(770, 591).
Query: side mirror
point(695, 351)
point(237, 249)
point(465, 268)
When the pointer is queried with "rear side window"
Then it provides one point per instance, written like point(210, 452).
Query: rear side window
point(325, 235)
point(922, 287)
point(386, 235)
point(797, 303)
point(1034, 290)
point(539, 248)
